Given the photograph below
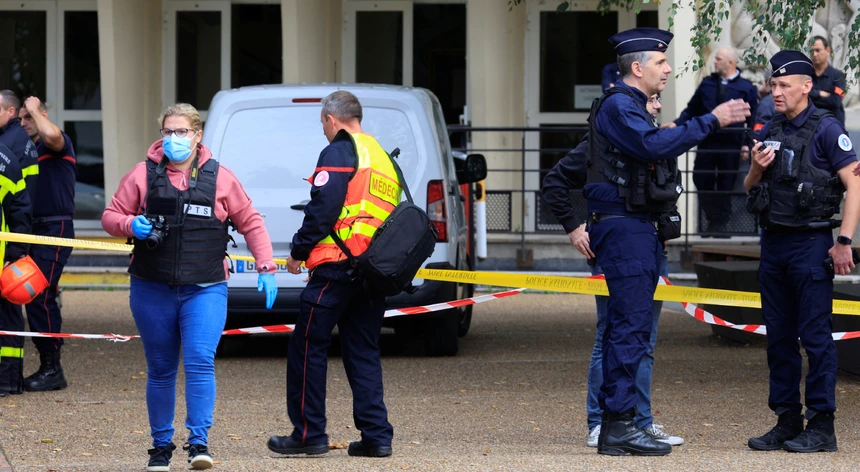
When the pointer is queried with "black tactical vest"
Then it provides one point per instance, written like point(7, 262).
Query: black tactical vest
point(194, 246)
point(645, 187)
point(798, 195)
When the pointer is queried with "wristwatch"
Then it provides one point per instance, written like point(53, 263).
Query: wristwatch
point(843, 240)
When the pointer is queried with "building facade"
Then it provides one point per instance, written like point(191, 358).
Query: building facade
point(108, 67)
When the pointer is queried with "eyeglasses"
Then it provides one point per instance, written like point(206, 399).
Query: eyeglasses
point(655, 100)
point(179, 132)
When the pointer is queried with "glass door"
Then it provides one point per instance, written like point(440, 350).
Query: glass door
point(196, 52)
point(377, 42)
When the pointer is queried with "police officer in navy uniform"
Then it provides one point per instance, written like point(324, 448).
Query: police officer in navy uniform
point(828, 83)
point(53, 210)
point(341, 195)
point(718, 157)
point(795, 183)
point(633, 181)
point(15, 215)
point(13, 135)
point(611, 76)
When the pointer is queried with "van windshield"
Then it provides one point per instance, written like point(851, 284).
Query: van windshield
point(279, 146)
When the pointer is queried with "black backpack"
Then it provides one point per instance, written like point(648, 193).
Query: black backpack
point(398, 248)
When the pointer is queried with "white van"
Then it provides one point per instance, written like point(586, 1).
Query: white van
point(271, 136)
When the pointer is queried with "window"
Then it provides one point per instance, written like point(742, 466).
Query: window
point(256, 45)
point(198, 57)
point(23, 48)
point(247, 147)
point(90, 186)
point(571, 56)
point(379, 47)
point(439, 50)
point(81, 79)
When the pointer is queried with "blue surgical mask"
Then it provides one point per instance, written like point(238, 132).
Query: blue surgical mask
point(176, 148)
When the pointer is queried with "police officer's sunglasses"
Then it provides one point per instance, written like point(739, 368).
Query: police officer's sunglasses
point(179, 132)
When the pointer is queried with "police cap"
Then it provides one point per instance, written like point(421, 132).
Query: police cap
point(641, 39)
point(787, 62)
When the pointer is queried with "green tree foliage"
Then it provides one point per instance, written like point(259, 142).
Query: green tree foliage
point(786, 21)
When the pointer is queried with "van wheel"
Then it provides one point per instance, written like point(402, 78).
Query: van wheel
point(464, 314)
point(441, 336)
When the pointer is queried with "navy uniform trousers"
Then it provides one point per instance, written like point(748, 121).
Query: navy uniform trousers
point(628, 251)
point(43, 313)
point(331, 299)
point(11, 348)
point(797, 300)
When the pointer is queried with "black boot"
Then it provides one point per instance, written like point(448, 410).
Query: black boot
point(619, 436)
point(49, 376)
point(11, 376)
point(788, 427)
point(819, 436)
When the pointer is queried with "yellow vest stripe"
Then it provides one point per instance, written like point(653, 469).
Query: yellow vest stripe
point(16, 352)
point(368, 207)
point(30, 170)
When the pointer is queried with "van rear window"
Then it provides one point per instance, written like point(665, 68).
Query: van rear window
point(279, 146)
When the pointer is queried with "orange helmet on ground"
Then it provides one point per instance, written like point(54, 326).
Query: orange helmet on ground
point(22, 281)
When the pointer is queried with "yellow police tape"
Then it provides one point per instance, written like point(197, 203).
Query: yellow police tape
point(588, 286)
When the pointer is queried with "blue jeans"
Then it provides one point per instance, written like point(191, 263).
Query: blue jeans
point(643, 375)
point(167, 317)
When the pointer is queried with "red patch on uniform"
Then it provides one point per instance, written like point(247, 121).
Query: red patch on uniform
point(321, 179)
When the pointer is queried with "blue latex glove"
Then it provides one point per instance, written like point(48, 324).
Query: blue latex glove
point(141, 227)
point(267, 282)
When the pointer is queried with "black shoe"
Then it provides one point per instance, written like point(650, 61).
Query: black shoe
point(357, 449)
point(289, 446)
point(198, 456)
point(159, 458)
point(787, 427)
point(619, 436)
point(49, 376)
point(819, 436)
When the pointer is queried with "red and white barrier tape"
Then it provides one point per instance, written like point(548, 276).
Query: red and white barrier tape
point(285, 328)
point(709, 318)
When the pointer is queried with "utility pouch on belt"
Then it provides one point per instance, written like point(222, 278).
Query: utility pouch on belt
point(397, 249)
point(758, 198)
point(669, 226)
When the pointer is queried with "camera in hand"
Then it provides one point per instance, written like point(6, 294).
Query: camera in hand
point(158, 233)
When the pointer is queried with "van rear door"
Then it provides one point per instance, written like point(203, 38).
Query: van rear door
point(272, 151)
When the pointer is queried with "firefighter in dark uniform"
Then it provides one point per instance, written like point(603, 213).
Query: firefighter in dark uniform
point(632, 184)
point(53, 210)
point(346, 200)
point(828, 83)
point(15, 137)
point(15, 214)
point(796, 180)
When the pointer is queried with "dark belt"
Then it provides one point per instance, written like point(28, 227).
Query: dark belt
point(48, 219)
point(597, 218)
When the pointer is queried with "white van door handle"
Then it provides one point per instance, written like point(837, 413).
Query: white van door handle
point(300, 206)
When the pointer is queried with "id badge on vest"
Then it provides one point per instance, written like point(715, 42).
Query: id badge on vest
point(198, 210)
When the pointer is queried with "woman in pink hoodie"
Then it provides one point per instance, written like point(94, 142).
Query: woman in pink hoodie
point(177, 205)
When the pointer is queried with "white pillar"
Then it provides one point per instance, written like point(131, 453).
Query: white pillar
point(495, 45)
point(130, 62)
point(680, 87)
point(311, 40)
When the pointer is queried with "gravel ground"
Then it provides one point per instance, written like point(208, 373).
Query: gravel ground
point(513, 399)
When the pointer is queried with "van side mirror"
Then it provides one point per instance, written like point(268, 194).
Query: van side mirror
point(473, 169)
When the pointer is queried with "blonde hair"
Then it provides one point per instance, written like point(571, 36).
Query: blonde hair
point(185, 110)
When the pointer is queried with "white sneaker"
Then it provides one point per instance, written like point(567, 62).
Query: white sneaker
point(592, 436)
point(656, 432)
